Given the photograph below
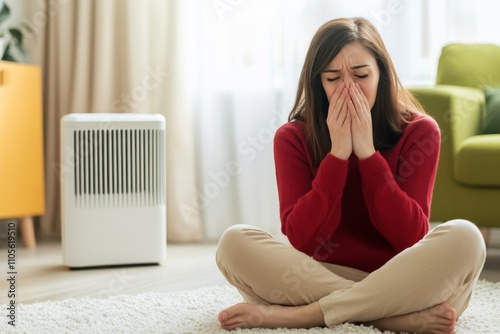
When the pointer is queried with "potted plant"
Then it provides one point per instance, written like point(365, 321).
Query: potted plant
point(11, 38)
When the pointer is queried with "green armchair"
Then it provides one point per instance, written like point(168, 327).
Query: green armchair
point(468, 178)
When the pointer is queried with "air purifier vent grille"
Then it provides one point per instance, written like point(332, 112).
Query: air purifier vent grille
point(118, 167)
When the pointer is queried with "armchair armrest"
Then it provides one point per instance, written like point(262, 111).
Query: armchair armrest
point(458, 111)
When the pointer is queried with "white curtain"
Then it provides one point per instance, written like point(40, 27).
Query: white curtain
point(247, 57)
point(417, 30)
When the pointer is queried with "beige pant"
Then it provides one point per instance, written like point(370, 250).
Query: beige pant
point(443, 266)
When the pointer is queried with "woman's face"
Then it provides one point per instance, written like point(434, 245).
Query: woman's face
point(354, 63)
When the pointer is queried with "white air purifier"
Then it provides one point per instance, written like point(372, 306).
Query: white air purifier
point(113, 189)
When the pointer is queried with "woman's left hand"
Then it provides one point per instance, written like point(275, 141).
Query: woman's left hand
point(361, 123)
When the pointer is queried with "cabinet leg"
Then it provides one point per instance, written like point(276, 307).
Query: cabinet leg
point(28, 232)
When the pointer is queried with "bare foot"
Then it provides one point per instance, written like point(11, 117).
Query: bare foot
point(438, 319)
point(244, 315)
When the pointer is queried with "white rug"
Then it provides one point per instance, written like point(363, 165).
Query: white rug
point(195, 311)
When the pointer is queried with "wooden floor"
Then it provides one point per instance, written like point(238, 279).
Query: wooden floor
point(42, 276)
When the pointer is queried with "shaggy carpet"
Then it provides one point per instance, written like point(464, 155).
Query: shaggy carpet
point(195, 311)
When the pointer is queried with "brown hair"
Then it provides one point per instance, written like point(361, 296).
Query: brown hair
point(393, 104)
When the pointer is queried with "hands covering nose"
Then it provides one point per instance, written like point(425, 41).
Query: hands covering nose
point(349, 122)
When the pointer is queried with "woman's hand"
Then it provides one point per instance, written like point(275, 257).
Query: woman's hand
point(339, 123)
point(361, 122)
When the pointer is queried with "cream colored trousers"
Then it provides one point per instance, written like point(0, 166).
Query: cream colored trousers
point(443, 266)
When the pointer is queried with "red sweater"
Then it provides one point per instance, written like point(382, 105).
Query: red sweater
point(357, 213)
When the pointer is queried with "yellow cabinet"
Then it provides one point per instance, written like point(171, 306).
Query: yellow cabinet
point(21, 141)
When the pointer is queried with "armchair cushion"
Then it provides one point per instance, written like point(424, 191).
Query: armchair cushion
point(492, 119)
point(477, 161)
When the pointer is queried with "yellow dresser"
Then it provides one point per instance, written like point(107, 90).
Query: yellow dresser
point(21, 143)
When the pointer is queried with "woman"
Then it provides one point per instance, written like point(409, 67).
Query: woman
point(355, 169)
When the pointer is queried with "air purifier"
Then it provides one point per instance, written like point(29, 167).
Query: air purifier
point(113, 189)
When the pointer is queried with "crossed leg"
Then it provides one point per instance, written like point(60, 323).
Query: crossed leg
point(286, 288)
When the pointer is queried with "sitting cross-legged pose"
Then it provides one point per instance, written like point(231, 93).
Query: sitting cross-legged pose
point(355, 168)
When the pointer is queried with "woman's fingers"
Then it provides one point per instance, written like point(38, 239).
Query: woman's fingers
point(338, 92)
point(347, 119)
point(352, 110)
point(338, 110)
point(342, 103)
point(339, 123)
point(361, 123)
point(337, 102)
point(359, 100)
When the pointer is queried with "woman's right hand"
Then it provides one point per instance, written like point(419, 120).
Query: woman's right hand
point(339, 123)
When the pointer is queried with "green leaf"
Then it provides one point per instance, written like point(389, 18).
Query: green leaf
point(17, 34)
point(7, 55)
point(4, 13)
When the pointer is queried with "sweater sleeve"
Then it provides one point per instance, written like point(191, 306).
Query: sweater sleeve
point(310, 207)
point(399, 203)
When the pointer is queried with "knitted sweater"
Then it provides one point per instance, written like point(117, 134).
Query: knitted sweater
point(357, 213)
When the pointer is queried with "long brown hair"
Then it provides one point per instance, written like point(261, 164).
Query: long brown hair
point(393, 104)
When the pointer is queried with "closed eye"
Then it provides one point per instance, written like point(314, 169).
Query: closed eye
point(362, 76)
point(332, 79)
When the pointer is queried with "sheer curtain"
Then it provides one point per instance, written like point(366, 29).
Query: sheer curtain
point(247, 57)
point(416, 32)
point(114, 56)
